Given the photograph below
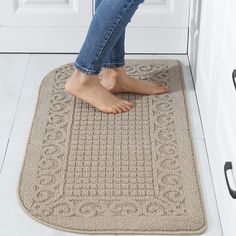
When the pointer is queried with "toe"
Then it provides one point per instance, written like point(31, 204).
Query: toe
point(161, 88)
point(115, 109)
point(128, 107)
point(128, 102)
point(123, 107)
point(164, 88)
point(118, 108)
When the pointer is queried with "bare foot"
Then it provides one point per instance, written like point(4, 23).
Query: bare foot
point(89, 89)
point(117, 81)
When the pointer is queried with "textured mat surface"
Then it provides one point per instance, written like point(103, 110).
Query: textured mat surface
point(132, 173)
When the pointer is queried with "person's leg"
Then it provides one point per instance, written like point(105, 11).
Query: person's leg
point(116, 57)
point(114, 77)
point(106, 27)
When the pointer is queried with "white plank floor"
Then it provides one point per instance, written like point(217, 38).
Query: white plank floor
point(20, 78)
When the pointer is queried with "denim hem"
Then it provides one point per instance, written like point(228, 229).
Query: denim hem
point(113, 65)
point(86, 71)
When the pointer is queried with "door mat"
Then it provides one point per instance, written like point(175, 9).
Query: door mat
point(128, 173)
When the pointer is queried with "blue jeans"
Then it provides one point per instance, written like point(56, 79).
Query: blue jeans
point(104, 42)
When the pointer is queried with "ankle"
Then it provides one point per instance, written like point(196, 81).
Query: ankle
point(84, 79)
point(114, 73)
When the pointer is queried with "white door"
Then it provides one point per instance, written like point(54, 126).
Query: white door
point(216, 93)
point(158, 26)
point(43, 25)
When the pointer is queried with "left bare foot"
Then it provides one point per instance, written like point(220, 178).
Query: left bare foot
point(117, 81)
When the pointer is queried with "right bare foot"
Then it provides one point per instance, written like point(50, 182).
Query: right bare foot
point(89, 89)
point(116, 80)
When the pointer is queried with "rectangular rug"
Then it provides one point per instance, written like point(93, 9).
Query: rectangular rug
point(129, 173)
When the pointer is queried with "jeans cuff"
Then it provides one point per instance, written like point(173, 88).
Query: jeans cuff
point(113, 65)
point(84, 70)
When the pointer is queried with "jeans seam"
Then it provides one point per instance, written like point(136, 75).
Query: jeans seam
point(113, 55)
point(112, 32)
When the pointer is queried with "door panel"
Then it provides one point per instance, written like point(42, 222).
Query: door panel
point(154, 26)
point(45, 13)
point(51, 26)
point(162, 13)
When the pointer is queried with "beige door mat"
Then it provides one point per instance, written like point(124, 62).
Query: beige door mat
point(132, 173)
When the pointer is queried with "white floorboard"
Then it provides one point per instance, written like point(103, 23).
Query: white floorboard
point(13, 220)
point(12, 74)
